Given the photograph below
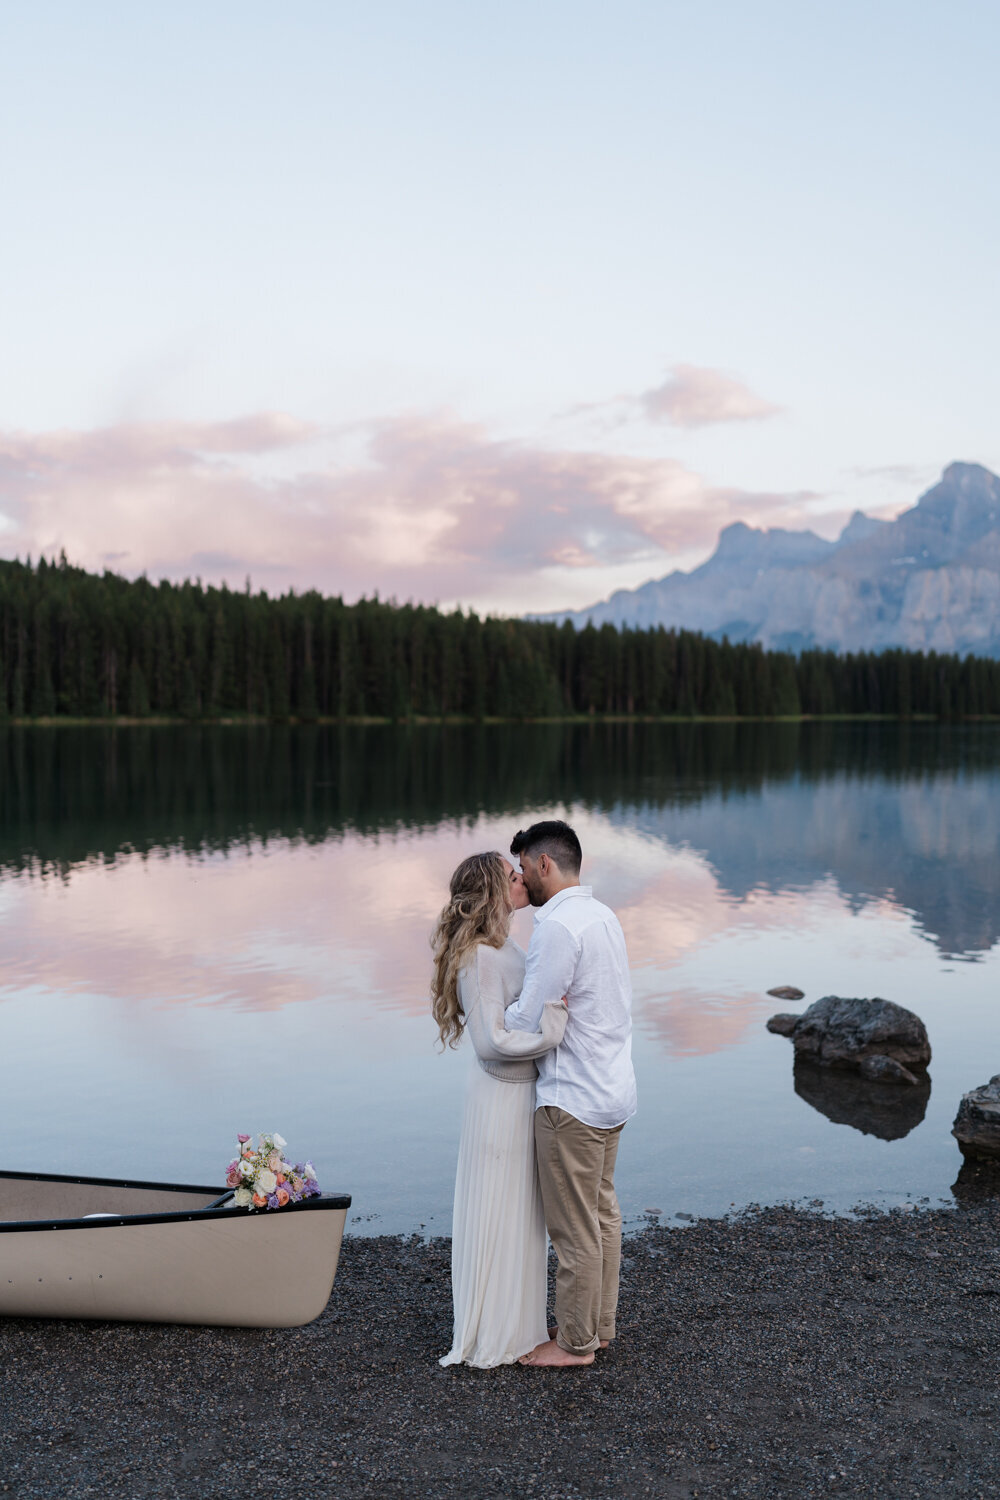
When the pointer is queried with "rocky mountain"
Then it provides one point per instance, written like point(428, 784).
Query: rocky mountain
point(929, 580)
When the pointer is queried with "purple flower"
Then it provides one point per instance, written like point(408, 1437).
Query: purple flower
point(272, 1200)
point(242, 1139)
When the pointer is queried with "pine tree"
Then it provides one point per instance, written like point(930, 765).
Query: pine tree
point(189, 703)
point(138, 695)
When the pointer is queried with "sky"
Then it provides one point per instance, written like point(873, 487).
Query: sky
point(499, 305)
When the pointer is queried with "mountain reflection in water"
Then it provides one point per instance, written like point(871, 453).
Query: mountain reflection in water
point(907, 813)
point(228, 927)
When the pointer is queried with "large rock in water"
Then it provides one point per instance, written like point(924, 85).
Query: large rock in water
point(977, 1124)
point(840, 1033)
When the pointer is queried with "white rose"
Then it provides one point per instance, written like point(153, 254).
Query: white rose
point(279, 1140)
point(242, 1197)
point(310, 1171)
point(246, 1169)
point(266, 1182)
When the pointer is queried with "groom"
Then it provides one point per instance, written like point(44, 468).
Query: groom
point(586, 1087)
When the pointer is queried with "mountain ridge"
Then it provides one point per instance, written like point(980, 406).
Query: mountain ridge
point(928, 580)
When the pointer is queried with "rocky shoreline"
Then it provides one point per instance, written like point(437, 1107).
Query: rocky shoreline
point(780, 1353)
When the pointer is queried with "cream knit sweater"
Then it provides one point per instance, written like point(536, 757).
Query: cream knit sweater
point(491, 981)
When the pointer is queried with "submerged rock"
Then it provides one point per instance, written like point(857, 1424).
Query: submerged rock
point(865, 1105)
point(977, 1124)
point(787, 992)
point(845, 1033)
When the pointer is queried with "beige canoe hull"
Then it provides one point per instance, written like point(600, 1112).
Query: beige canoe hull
point(271, 1269)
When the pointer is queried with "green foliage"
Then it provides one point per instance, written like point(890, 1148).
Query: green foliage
point(77, 644)
point(138, 694)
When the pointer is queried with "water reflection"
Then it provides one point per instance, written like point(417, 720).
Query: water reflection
point(928, 845)
point(258, 929)
point(977, 1182)
point(889, 1111)
point(231, 926)
point(904, 813)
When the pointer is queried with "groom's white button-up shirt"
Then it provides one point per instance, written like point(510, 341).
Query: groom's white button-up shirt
point(578, 950)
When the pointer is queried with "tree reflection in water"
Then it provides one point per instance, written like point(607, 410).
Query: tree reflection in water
point(908, 812)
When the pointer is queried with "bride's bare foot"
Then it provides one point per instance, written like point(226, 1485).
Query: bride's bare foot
point(554, 1330)
point(553, 1356)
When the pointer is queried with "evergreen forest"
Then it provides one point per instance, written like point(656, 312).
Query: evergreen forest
point(82, 645)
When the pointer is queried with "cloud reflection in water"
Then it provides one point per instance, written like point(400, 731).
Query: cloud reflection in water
point(347, 921)
point(263, 959)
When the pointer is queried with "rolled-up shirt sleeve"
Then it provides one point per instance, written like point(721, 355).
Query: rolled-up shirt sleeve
point(548, 975)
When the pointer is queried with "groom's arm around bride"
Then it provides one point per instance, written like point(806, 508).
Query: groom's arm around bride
point(586, 1087)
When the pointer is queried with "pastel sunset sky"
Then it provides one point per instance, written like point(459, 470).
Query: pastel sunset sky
point(506, 305)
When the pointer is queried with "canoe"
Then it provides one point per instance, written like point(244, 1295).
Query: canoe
point(163, 1252)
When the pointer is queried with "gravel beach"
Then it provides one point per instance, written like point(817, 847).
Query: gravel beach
point(780, 1353)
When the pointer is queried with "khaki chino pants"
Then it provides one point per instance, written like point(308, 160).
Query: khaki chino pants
point(576, 1170)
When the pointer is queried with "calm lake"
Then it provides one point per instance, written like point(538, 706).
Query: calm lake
point(213, 930)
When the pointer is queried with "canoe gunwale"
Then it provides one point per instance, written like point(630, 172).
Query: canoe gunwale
point(211, 1211)
point(122, 1182)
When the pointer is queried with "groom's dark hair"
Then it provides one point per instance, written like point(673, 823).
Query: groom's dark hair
point(554, 838)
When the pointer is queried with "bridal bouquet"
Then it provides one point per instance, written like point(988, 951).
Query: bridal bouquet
point(262, 1178)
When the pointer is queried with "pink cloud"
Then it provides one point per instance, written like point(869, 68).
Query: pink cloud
point(433, 507)
point(693, 396)
point(166, 445)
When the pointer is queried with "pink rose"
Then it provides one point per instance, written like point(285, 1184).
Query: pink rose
point(242, 1139)
point(282, 1197)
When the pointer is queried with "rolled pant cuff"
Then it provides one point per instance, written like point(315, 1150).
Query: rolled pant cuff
point(606, 1333)
point(595, 1343)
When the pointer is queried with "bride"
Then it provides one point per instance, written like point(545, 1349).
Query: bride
point(498, 1246)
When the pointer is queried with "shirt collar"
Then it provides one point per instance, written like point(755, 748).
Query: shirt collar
point(560, 896)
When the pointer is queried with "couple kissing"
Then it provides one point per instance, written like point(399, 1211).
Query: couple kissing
point(545, 1107)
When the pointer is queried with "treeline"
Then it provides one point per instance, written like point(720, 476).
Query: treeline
point(78, 644)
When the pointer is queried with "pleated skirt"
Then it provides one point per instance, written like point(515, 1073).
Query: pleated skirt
point(498, 1245)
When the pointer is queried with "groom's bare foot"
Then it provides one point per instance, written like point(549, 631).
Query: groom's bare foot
point(552, 1356)
point(554, 1330)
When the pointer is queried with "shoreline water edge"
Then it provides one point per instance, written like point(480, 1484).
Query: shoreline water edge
point(775, 1353)
point(154, 721)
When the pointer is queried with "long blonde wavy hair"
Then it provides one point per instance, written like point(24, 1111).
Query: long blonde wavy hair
point(478, 911)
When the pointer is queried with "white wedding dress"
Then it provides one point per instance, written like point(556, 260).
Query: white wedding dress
point(498, 1247)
